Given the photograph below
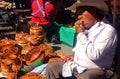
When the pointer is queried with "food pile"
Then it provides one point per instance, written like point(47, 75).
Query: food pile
point(5, 5)
point(25, 52)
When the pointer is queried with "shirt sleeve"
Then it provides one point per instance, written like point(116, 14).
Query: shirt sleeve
point(81, 39)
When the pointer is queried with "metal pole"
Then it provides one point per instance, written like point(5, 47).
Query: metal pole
point(114, 13)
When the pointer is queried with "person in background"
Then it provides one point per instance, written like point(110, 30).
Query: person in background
point(95, 47)
point(44, 12)
point(17, 4)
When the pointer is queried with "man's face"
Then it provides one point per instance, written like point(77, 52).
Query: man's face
point(86, 16)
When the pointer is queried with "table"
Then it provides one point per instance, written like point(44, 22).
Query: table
point(67, 35)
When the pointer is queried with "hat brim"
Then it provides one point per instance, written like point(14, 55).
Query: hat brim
point(99, 5)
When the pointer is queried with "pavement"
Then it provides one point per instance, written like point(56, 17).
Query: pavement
point(62, 48)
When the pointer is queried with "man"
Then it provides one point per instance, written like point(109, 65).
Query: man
point(44, 13)
point(95, 46)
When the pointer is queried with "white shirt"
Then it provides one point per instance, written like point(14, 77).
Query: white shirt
point(96, 48)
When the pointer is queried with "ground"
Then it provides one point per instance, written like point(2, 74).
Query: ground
point(62, 47)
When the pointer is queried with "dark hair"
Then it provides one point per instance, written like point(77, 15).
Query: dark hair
point(99, 15)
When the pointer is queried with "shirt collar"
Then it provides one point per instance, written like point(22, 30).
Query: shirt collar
point(94, 26)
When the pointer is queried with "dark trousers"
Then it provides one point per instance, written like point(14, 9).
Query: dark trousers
point(17, 3)
point(54, 71)
point(50, 30)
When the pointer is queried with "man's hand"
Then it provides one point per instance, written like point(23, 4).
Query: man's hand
point(79, 26)
point(69, 58)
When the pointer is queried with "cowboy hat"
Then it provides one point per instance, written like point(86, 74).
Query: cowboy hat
point(99, 4)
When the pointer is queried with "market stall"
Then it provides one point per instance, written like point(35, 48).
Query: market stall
point(19, 56)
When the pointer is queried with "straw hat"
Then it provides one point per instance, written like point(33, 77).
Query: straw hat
point(100, 4)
